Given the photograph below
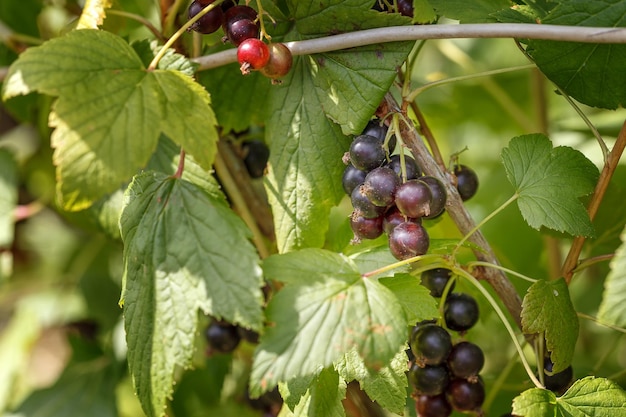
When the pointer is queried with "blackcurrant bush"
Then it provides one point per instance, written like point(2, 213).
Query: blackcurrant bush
point(378, 129)
point(393, 217)
point(380, 186)
point(240, 30)
point(366, 152)
point(413, 198)
point(465, 360)
point(467, 181)
point(432, 406)
point(280, 61)
point(460, 311)
point(466, 395)
point(429, 379)
point(255, 156)
point(407, 240)
point(222, 337)
point(208, 23)
point(365, 228)
point(430, 344)
point(413, 171)
point(252, 54)
point(557, 382)
point(352, 178)
point(363, 206)
point(436, 280)
point(439, 196)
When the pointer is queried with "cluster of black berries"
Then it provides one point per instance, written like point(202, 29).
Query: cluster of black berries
point(389, 193)
point(224, 337)
point(443, 374)
point(405, 7)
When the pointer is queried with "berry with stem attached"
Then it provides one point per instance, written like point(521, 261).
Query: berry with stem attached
point(280, 61)
point(393, 217)
point(363, 206)
point(407, 240)
point(412, 170)
point(436, 280)
point(439, 196)
point(252, 54)
point(364, 227)
point(413, 198)
point(467, 181)
point(366, 152)
point(240, 30)
point(208, 23)
point(460, 311)
point(378, 129)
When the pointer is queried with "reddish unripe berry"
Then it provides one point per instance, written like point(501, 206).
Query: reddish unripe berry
point(252, 54)
point(280, 61)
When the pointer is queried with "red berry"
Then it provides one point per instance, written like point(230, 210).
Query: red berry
point(252, 54)
point(280, 61)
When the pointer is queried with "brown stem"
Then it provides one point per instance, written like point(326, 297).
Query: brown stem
point(569, 266)
point(428, 134)
point(461, 217)
point(181, 164)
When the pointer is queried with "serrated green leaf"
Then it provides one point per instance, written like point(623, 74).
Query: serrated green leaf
point(110, 111)
point(612, 308)
point(8, 197)
point(312, 324)
point(595, 397)
point(549, 181)
point(423, 12)
point(535, 402)
point(374, 258)
point(387, 386)
point(309, 265)
point(292, 391)
point(547, 309)
point(94, 12)
point(415, 299)
point(177, 244)
point(474, 11)
point(323, 399)
point(592, 74)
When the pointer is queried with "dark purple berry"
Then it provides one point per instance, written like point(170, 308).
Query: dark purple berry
point(237, 13)
point(432, 406)
point(255, 156)
point(378, 129)
point(380, 186)
point(466, 395)
point(557, 382)
point(412, 170)
point(460, 311)
point(429, 380)
point(465, 360)
point(405, 7)
point(352, 178)
point(222, 337)
point(430, 344)
point(393, 217)
point(240, 30)
point(363, 206)
point(439, 196)
point(208, 23)
point(467, 181)
point(248, 335)
point(366, 152)
point(366, 228)
point(413, 198)
point(436, 280)
point(407, 240)
point(229, 4)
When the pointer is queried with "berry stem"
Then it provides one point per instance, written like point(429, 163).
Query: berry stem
point(428, 134)
point(181, 165)
point(398, 264)
point(261, 13)
point(501, 268)
point(139, 19)
point(600, 323)
point(504, 320)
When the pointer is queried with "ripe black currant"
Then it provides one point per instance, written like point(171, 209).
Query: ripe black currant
point(429, 379)
point(363, 206)
point(380, 186)
point(255, 156)
point(465, 360)
point(237, 13)
point(393, 217)
point(405, 7)
point(460, 311)
point(208, 23)
point(378, 129)
point(436, 280)
point(407, 240)
point(413, 198)
point(430, 344)
point(432, 406)
point(557, 382)
point(466, 395)
point(366, 152)
point(467, 181)
point(439, 196)
point(412, 170)
point(352, 178)
point(222, 337)
point(240, 30)
point(364, 227)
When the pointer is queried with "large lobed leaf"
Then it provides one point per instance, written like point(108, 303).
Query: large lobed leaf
point(320, 315)
point(590, 396)
point(110, 111)
point(549, 181)
point(547, 308)
point(613, 309)
point(178, 245)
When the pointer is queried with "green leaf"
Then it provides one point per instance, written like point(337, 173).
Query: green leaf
point(110, 111)
point(86, 389)
point(591, 73)
point(535, 402)
point(473, 11)
point(549, 181)
point(324, 396)
point(320, 314)
point(547, 309)
point(177, 244)
point(423, 12)
point(415, 299)
point(8, 197)
point(613, 309)
point(386, 386)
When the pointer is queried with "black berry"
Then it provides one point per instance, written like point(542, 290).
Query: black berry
point(432, 406)
point(255, 156)
point(380, 186)
point(222, 337)
point(407, 240)
point(467, 181)
point(208, 23)
point(557, 382)
point(436, 280)
point(429, 380)
point(412, 170)
point(413, 198)
point(460, 311)
point(364, 227)
point(393, 217)
point(363, 206)
point(430, 344)
point(366, 152)
point(466, 395)
point(240, 30)
point(405, 7)
point(439, 196)
point(352, 178)
point(378, 129)
point(465, 360)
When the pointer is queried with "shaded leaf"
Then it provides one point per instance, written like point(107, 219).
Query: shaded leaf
point(535, 402)
point(613, 309)
point(474, 11)
point(415, 299)
point(323, 398)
